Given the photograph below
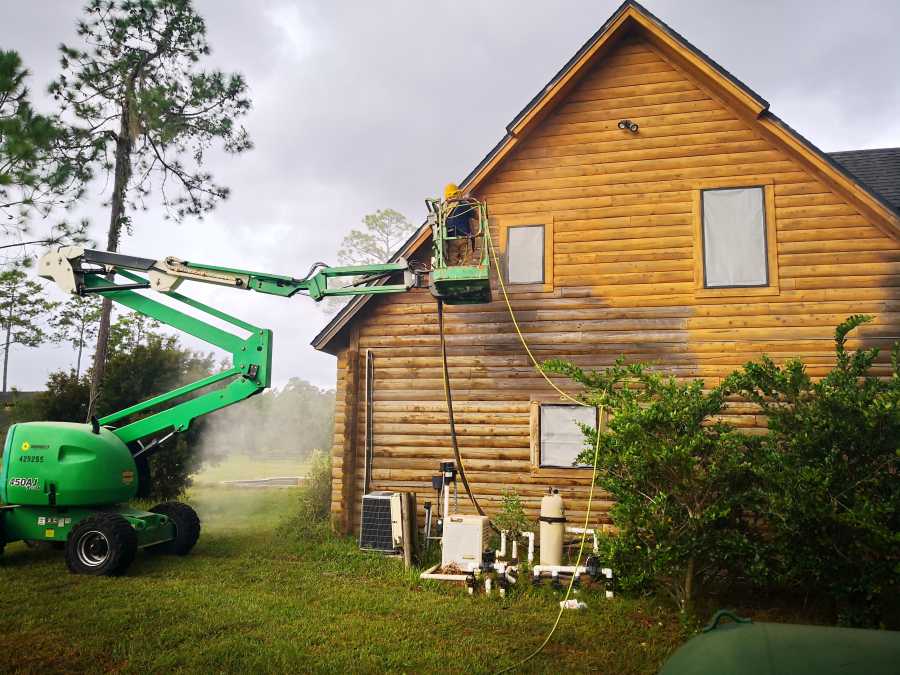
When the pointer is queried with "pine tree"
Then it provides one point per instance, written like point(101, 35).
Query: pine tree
point(43, 162)
point(76, 323)
point(383, 233)
point(23, 307)
point(137, 82)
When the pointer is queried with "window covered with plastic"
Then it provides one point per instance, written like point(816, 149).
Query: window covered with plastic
point(734, 238)
point(561, 437)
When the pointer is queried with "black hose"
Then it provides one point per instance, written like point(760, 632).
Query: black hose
point(449, 397)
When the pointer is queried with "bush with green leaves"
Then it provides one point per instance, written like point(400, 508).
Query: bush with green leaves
point(831, 465)
point(512, 518)
point(314, 508)
point(682, 480)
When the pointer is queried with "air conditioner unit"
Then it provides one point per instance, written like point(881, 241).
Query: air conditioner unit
point(381, 528)
point(464, 541)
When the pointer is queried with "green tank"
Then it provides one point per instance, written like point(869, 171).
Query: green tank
point(742, 647)
point(65, 464)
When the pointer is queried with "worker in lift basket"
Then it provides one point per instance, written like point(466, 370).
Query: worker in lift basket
point(458, 225)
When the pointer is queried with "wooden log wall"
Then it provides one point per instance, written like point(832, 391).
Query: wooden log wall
point(623, 283)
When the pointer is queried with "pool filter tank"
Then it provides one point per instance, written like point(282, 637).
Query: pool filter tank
point(553, 525)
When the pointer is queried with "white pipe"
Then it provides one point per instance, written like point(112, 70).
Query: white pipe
point(530, 536)
point(487, 585)
point(581, 530)
point(607, 572)
point(446, 513)
point(501, 553)
point(431, 574)
point(555, 570)
point(515, 549)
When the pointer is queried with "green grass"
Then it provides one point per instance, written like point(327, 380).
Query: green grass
point(242, 467)
point(256, 596)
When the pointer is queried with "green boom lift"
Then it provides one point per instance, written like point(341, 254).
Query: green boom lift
point(70, 483)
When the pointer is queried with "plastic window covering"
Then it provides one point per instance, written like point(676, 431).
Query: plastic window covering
point(525, 254)
point(734, 238)
point(561, 438)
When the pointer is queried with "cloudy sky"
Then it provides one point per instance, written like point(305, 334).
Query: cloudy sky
point(365, 105)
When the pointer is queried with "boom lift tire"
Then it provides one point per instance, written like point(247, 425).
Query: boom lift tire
point(101, 545)
point(187, 528)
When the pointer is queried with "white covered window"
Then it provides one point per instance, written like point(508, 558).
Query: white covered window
point(734, 238)
point(561, 437)
point(525, 254)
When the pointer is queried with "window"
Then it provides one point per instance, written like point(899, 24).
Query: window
point(525, 254)
point(734, 238)
point(561, 438)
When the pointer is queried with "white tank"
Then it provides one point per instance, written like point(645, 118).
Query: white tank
point(553, 524)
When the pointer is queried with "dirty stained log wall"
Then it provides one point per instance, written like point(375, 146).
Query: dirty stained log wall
point(623, 214)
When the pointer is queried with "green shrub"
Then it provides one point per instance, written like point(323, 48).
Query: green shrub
point(682, 481)
point(831, 465)
point(512, 518)
point(314, 503)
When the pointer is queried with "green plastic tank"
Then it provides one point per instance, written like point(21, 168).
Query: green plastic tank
point(741, 647)
point(65, 464)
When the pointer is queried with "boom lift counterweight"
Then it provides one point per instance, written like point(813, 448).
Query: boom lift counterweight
point(68, 482)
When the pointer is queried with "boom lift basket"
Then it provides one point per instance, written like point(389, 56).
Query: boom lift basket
point(460, 272)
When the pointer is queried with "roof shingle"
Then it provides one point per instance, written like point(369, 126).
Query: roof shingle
point(878, 170)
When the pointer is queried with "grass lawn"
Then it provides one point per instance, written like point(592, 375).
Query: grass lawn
point(253, 596)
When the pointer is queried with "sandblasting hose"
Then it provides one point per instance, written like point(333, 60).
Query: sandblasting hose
point(449, 398)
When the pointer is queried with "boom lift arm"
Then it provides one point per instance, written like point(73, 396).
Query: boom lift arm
point(69, 482)
point(84, 271)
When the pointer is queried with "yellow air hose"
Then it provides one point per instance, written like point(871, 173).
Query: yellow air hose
point(587, 515)
point(462, 473)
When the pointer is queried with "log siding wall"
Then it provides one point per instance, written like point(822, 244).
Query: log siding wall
point(622, 209)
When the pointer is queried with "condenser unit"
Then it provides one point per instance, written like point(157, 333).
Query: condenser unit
point(381, 528)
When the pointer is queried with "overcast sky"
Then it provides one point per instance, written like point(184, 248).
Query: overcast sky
point(365, 105)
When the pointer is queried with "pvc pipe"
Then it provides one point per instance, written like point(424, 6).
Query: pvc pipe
point(501, 553)
point(581, 530)
point(431, 574)
point(515, 549)
point(607, 572)
point(427, 525)
point(487, 585)
point(555, 570)
point(530, 537)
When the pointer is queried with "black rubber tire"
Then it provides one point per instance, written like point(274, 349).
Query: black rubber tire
point(101, 545)
point(187, 528)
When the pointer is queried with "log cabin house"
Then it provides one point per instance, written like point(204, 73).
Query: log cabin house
point(711, 235)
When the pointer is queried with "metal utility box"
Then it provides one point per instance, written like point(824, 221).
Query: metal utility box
point(382, 528)
point(464, 541)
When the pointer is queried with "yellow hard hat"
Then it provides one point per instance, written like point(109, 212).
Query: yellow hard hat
point(451, 191)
